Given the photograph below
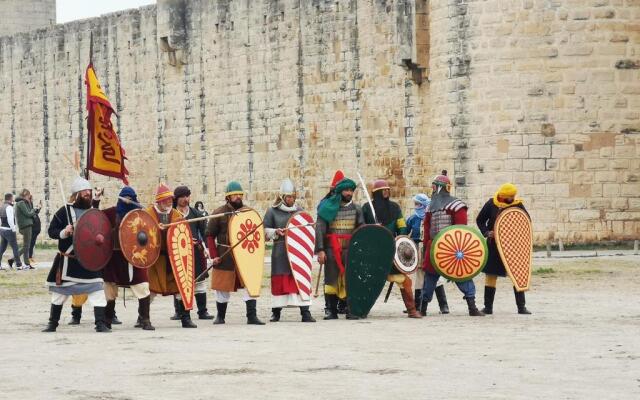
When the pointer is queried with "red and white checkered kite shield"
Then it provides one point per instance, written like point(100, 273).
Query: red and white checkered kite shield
point(300, 241)
point(514, 240)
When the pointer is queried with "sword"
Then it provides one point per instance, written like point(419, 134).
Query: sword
point(366, 193)
point(230, 248)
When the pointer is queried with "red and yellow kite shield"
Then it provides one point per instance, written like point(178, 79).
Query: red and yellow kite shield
point(180, 251)
point(459, 253)
point(514, 240)
point(246, 227)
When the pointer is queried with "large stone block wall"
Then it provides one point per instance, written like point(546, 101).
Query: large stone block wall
point(26, 15)
point(542, 93)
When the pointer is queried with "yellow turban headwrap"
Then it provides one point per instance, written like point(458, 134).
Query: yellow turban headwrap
point(506, 190)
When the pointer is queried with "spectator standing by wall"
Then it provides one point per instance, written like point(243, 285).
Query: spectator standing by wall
point(24, 217)
point(8, 230)
point(35, 231)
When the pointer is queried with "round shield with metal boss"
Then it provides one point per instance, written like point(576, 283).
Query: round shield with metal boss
point(406, 257)
point(139, 239)
point(93, 240)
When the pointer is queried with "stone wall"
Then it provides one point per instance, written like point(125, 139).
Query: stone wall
point(542, 93)
point(26, 15)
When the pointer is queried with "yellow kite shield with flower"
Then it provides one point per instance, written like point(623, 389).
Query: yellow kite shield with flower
point(180, 251)
point(246, 230)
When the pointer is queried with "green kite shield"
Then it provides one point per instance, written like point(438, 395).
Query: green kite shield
point(369, 261)
point(459, 252)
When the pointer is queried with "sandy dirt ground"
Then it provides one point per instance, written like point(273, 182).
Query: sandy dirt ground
point(582, 342)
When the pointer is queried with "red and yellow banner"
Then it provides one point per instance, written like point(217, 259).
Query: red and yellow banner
point(105, 156)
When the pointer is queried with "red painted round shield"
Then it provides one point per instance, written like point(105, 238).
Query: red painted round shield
point(93, 240)
point(140, 239)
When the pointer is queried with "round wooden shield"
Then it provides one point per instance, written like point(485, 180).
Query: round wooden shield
point(180, 251)
point(93, 240)
point(246, 227)
point(139, 239)
point(459, 252)
point(514, 239)
point(406, 258)
point(300, 239)
point(369, 261)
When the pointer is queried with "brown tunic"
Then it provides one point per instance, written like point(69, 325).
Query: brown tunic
point(161, 280)
point(224, 276)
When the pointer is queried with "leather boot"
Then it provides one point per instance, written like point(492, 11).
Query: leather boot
point(115, 320)
point(423, 307)
point(306, 314)
point(76, 315)
point(222, 312)
point(54, 317)
point(417, 296)
point(176, 315)
point(473, 310)
point(201, 302)
point(144, 305)
point(489, 295)
point(327, 311)
point(98, 312)
point(351, 316)
point(252, 313)
point(342, 306)
point(409, 302)
point(109, 312)
point(442, 299)
point(520, 302)
point(275, 314)
point(185, 316)
point(332, 301)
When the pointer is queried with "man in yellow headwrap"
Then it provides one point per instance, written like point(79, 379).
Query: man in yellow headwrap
point(505, 197)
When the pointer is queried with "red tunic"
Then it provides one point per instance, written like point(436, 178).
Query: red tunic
point(457, 218)
point(283, 285)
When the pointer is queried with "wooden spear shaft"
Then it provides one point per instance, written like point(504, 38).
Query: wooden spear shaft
point(220, 215)
point(230, 248)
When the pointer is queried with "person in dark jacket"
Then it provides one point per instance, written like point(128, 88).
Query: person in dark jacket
point(504, 198)
point(25, 214)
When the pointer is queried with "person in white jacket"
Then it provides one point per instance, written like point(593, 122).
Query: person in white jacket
point(8, 229)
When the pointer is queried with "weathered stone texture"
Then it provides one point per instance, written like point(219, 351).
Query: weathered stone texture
point(26, 15)
point(544, 94)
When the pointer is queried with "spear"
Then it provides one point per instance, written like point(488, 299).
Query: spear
point(230, 248)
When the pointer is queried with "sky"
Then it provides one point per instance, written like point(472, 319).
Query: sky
point(70, 10)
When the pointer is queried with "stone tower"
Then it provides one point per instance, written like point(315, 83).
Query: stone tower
point(26, 15)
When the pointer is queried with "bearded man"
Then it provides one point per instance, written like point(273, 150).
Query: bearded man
point(225, 277)
point(67, 276)
point(338, 217)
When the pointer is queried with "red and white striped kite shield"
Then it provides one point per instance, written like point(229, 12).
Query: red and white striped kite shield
point(300, 239)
